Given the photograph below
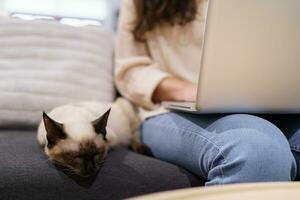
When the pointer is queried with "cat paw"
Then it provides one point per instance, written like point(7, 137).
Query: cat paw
point(141, 149)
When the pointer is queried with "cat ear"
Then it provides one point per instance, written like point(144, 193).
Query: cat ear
point(100, 124)
point(54, 130)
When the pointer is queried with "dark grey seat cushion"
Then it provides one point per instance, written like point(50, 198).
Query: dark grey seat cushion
point(25, 173)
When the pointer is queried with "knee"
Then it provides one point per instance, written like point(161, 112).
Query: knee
point(155, 131)
point(242, 120)
point(239, 121)
point(250, 156)
point(152, 127)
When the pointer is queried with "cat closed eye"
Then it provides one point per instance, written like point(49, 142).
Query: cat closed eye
point(77, 159)
point(98, 157)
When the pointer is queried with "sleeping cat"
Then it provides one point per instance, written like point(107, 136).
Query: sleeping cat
point(78, 136)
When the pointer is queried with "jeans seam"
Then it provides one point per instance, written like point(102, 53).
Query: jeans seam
point(195, 133)
point(222, 172)
point(221, 167)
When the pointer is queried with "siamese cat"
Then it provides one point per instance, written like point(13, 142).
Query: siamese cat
point(78, 136)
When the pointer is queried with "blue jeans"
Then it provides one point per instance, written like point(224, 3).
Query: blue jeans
point(225, 149)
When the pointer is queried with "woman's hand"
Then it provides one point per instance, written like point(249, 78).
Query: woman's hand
point(189, 92)
point(174, 89)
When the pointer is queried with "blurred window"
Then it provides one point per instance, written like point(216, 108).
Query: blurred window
point(73, 12)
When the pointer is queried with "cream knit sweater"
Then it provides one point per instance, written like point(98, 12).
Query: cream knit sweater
point(167, 51)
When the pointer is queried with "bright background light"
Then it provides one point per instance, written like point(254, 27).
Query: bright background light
point(92, 9)
point(93, 12)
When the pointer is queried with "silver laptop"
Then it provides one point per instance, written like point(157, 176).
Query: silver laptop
point(251, 58)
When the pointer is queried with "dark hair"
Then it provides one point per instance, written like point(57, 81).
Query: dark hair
point(152, 12)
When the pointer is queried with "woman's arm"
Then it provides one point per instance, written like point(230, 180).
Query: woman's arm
point(174, 89)
point(137, 76)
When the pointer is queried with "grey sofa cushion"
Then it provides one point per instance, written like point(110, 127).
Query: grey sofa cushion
point(25, 173)
point(44, 64)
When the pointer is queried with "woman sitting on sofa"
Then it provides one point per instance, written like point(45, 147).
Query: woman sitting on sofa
point(158, 52)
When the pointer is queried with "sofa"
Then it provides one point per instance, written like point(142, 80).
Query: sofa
point(44, 64)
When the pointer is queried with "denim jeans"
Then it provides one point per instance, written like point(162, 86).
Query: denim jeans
point(225, 149)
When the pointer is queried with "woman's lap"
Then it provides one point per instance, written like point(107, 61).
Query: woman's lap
point(221, 149)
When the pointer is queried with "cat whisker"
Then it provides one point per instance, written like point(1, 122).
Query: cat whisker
point(68, 171)
point(101, 164)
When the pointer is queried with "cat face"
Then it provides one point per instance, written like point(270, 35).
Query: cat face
point(82, 157)
point(85, 160)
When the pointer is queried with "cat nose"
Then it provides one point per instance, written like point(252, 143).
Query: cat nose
point(89, 169)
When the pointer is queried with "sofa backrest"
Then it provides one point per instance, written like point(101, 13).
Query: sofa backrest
point(44, 64)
